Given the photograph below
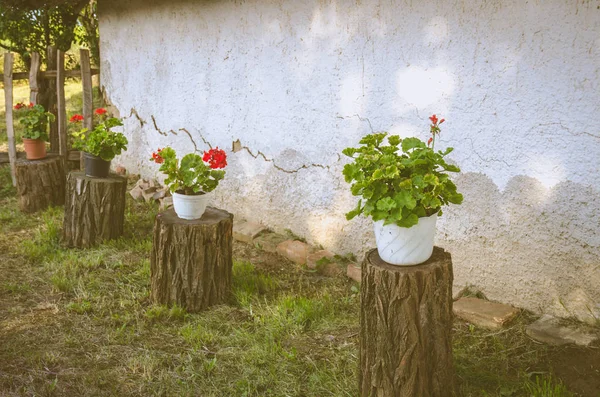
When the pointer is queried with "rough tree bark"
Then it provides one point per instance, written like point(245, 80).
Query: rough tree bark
point(94, 209)
point(405, 328)
point(191, 261)
point(40, 183)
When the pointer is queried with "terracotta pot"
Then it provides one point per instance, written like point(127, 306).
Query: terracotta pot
point(95, 166)
point(35, 149)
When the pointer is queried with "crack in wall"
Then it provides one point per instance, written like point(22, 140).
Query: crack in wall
point(236, 145)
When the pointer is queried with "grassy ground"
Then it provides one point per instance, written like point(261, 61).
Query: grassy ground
point(79, 322)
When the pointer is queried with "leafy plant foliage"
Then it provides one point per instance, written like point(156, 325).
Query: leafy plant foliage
point(401, 181)
point(35, 120)
point(101, 141)
point(192, 175)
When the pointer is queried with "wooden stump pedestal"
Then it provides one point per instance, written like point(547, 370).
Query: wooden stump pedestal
point(405, 328)
point(94, 209)
point(191, 262)
point(40, 183)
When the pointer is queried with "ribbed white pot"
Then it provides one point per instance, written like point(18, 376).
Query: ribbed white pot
point(406, 246)
point(190, 207)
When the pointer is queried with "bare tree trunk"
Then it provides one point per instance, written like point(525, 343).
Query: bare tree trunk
point(405, 330)
point(191, 261)
point(40, 183)
point(94, 209)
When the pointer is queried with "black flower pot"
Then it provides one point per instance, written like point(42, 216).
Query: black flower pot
point(95, 166)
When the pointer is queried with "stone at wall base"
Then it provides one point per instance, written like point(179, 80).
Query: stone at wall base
point(484, 313)
point(547, 329)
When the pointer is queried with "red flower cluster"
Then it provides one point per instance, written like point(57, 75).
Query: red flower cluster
point(156, 157)
point(434, 120)
point(100, 111)
point(435, 128)
point(76, 118)
point(21, 105)
point(216, 158)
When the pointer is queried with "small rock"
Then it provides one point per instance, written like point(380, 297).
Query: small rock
point(312, 259)
point(331, 270)
point(148, 194)
point(269, 241)
point(166, 203)
point(161, 194)
point(354, 272)
point(120, 170)
point(246, 231)
point(137, 193)
point(484, 313)
point(547, 329)
point(152, 183)
point(294, 250)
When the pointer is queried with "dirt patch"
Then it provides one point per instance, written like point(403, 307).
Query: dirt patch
point(578, 368)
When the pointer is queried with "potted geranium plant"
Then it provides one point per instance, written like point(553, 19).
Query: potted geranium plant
point(403, 186)
point(191, 179)
point(35, 119)
point(101, 144)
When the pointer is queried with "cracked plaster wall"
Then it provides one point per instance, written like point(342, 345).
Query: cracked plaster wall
point(289, 84)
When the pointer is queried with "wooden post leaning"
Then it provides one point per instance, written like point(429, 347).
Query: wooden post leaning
point(191, 261)
point(40, 183)
point(94, 209)
point(405, 328)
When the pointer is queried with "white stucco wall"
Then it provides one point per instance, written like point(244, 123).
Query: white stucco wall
point(297, 81)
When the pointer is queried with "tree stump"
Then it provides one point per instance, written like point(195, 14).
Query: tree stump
point(94, 209)
point(405, 328)
point(40, 183)
point(191, 261)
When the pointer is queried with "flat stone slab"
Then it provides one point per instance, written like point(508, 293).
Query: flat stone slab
point(353, 271)
point(246, 231)
point(294, 250)
point(313, 259)
point(547, 329)
point(484, 313)
point(269, 241)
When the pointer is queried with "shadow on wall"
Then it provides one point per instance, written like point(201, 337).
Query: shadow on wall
point(539, 245)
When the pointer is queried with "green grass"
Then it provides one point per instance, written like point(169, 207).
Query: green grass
point(80, 322)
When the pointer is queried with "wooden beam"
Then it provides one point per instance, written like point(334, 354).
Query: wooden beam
point(74, 155)
point(88, 100)
point(61, 106)
point(34, 72)
point(49, 74)
point(8, 101)
point(51, 54)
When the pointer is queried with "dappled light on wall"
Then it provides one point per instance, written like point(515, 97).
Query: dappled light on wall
point(423, 87)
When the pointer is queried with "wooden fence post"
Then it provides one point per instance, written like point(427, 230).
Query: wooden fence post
point(50, 97)
point(86, 81)
point(8, 99)
point(34, 74)
point(61, 106)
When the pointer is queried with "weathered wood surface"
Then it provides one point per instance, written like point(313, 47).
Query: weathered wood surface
point(94, 209)
point(88, 99)
point(40, 183)
point(61, 106)
point(34, 78)
point(405, 328)
point(8, 101)
point(191, 261)
point(49, 74)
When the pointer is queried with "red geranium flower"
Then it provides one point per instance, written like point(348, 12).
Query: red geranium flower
point(76, 118)
point(434, 119)
point(216, 158)
point(31, 104)
point(100, 111)
point(156, 157)
point(429, 141)
point(19, 105)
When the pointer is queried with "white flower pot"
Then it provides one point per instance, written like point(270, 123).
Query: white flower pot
point(406, 246)
point(190, 207)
